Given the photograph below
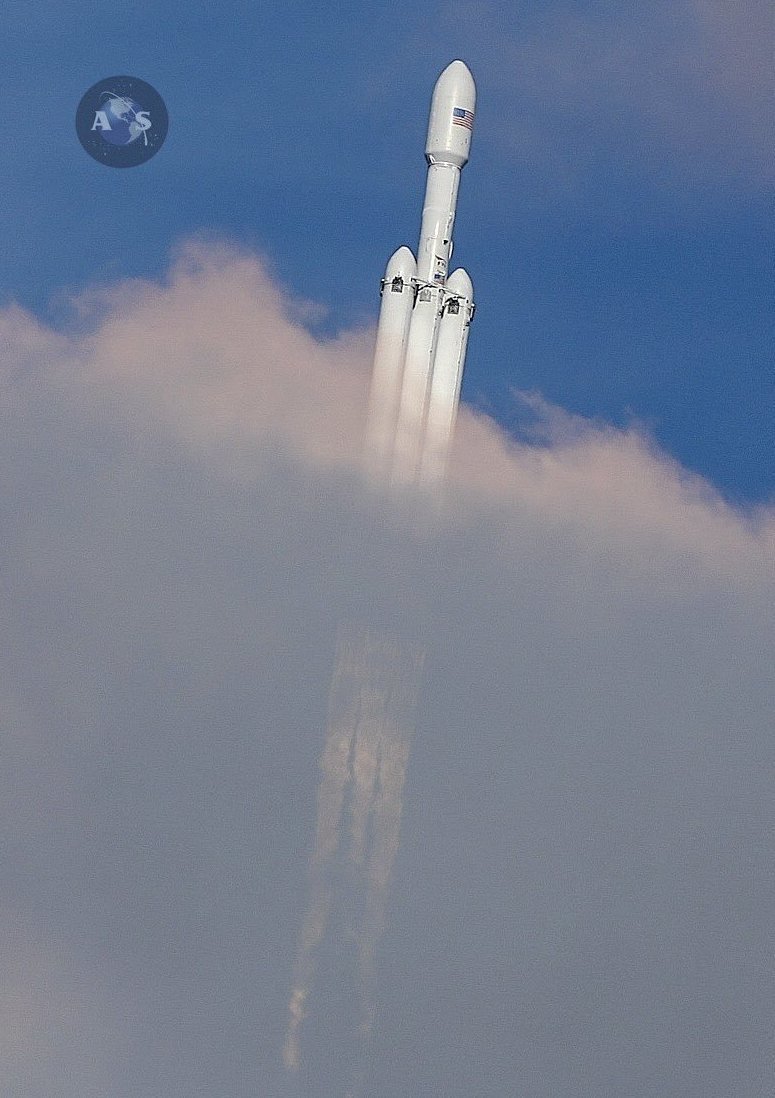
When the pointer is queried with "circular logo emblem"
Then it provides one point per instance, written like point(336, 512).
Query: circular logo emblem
point(121, 121)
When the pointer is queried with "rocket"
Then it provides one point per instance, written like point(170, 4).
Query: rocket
point(425, 312)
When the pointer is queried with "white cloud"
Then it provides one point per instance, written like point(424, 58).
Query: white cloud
point(583, 892)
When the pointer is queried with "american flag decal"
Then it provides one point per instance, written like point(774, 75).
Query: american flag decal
point(462, 118)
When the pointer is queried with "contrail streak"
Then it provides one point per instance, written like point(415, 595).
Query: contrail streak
point(370, 718)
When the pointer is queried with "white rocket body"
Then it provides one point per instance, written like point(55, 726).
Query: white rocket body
point(425, 315)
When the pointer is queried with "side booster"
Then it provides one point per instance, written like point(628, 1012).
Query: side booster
point(425, 313)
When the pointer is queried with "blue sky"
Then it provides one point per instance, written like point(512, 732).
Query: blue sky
point(615, 215)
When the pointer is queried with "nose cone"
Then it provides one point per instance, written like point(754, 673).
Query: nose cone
point(457, 78)
point(452, 116)
point(459, 282)
point(401, 265)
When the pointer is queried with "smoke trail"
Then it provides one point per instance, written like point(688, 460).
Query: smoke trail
point(370, 716)
point(381, 420)
point(335, 765)
point(389, 676)
point(386, 808)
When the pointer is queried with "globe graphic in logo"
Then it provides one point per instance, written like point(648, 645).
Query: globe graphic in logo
point(121, 121)
point(126, 120)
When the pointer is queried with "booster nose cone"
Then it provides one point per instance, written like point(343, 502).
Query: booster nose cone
point(452, 116)
point(401, 265)
point(459, 282)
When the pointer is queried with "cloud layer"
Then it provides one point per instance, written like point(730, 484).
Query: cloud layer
point(582, 898)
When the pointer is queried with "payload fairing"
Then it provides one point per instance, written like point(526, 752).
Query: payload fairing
point(425, 314)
